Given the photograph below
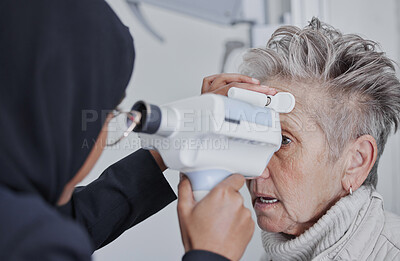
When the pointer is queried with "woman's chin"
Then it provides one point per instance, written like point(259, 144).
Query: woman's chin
point(269, 224)
point(271, 217)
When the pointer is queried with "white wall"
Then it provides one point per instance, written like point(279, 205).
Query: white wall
point(174, 69)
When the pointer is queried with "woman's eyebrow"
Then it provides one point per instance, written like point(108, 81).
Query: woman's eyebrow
point(290, 131)
point(293, 132)
point(291, 122)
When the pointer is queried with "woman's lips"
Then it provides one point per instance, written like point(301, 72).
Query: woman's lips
point(263, 202)
point(268, 200)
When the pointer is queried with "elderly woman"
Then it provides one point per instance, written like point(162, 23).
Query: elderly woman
point(316, 199)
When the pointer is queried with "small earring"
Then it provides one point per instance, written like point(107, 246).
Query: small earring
point(351, 190)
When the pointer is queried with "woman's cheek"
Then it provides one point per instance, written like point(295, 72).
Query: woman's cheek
point(287, 166)
point(289, 178)
point(288, 169)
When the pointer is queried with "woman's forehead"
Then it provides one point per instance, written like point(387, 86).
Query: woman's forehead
point(299, 90)
point(301, 118)
point(307, 95)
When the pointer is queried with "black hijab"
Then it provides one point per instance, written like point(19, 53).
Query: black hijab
point(60, 61)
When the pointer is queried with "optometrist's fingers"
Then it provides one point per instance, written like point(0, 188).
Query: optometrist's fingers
point(207, 81)
point(223, 90)
point(235, 181)
point(213, 82)
point(185, 207)
point(185, 196)
point(219, 223)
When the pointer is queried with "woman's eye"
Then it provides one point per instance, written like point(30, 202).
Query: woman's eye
point(285, 140)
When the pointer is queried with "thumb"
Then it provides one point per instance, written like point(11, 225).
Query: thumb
point(235, 181)
point(186, 201)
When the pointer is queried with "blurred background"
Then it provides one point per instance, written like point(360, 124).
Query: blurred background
point(178, 42)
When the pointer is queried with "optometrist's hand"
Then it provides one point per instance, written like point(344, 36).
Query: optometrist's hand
point(158, 159)
point(221, 83)
point(219, 223)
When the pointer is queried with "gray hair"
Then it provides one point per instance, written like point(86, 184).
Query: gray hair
point(360, 88)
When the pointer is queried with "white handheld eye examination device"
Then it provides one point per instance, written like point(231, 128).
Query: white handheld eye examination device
point(210, 137)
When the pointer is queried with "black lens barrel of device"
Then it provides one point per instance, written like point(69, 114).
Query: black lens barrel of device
point(151, 117)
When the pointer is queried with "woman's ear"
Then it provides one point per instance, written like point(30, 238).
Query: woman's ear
point(361, 157)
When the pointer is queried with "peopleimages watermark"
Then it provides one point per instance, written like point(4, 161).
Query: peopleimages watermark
point(209, 143)
point(192, 120)
point(201, 122)
point(92, 116)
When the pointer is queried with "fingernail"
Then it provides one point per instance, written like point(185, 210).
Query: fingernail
point(255, 80)
point(265, 86)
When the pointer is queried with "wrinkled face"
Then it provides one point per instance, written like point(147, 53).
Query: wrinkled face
point(300, 183)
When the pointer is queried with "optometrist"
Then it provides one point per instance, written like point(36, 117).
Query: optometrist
point(59, 59)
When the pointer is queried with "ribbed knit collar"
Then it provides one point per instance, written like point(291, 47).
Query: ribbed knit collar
point(328, 230)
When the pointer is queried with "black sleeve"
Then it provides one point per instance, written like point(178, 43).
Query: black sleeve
point(125, 194)
point(201, 255)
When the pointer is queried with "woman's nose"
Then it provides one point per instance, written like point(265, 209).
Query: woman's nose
point(265, 174)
